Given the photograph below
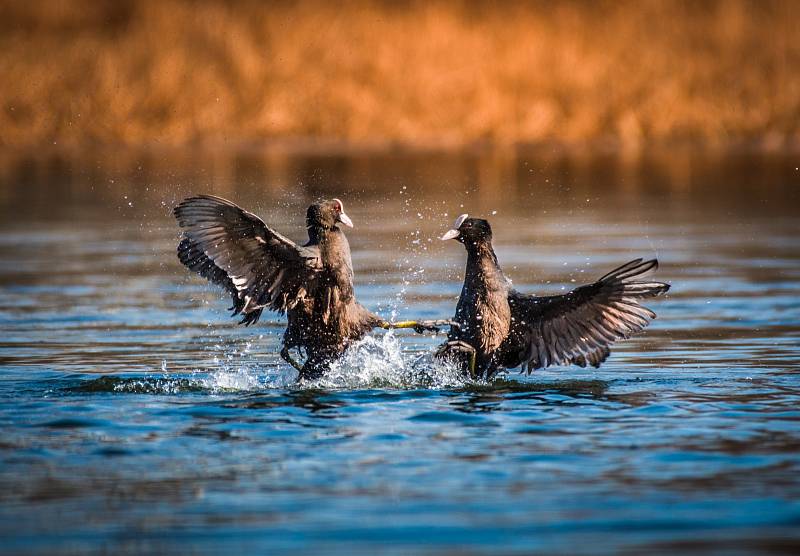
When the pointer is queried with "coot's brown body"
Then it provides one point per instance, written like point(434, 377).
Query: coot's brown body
point(500, 327)
point(261, 269)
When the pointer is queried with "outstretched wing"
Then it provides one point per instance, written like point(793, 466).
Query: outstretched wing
point(579, 327)
point(233, 248)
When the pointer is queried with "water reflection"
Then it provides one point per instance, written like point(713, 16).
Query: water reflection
point(126, 182)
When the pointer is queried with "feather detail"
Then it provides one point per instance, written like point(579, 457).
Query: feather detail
point(233, 248)
point(580, 326)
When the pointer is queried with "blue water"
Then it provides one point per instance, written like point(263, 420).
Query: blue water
point(136, 417)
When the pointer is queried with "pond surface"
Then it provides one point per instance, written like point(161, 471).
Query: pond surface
point(137, 416)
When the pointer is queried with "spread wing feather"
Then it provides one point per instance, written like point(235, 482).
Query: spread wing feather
point(580, 326)
point(234, 249)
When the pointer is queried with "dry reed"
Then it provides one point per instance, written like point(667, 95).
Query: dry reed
point(179, 72)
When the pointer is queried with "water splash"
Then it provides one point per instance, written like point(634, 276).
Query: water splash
point(236, 369)
point(220, 381)
point(380, 362)
point(242, 379)
point(373, 362)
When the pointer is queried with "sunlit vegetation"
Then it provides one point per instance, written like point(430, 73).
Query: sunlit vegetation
point(618, 73)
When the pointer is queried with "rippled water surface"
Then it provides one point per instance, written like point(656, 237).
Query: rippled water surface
point(137, 416)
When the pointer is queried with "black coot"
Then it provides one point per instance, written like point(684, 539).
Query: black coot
point(499, 327)
point(261, 269)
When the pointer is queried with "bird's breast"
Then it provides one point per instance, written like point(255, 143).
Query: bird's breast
point(484, 320)
point(493, 322)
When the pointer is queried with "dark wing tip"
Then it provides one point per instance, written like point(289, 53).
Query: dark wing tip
point(632, 269)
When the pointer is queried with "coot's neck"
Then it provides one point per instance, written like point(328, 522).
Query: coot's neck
point(317, 233)
point(482, 265)
point(335, 254)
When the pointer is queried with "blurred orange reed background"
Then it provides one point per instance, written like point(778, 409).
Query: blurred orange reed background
point(621, 73)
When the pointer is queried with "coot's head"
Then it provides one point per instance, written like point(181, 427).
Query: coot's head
point(327, 214)
point(469, 230)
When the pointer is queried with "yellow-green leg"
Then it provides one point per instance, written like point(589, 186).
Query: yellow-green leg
point(419, 326)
